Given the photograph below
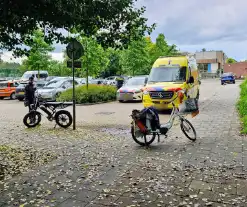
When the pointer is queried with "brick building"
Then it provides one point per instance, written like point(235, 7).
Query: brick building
point(239, 69)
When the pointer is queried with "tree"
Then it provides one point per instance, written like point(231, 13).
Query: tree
point(111, 22)
point(7, 65)
point(114, 66)
point(204, 50)
point(57, 68)
point(135, 59)
point(38, 58)
point(94, 58)
point(230, 60)
point(161, 48)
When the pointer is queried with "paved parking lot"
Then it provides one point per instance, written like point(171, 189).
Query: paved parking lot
point(103, 114)
point(99, 166)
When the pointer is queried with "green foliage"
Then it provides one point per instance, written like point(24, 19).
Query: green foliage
point(114, 66)
point(103, 19)
point(140, 55)
point(136, 59)
point(57, 68)
point(9, 69)
point(7, 65)
point(94, 94)
point(94, 59)
point(241, 105)
point(230, 60)
point(7, 72)
point(38, 58)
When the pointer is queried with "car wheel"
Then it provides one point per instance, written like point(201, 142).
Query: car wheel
point(20, 99)
point(120, 101)
point(1, 98)
point(233, 82)
point(12, 96)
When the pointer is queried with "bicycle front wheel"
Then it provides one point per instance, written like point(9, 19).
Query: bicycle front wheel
point(188, 129)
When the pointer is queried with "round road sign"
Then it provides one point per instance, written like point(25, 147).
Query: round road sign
point(74, 49)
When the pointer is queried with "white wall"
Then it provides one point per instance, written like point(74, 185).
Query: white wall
point(214, 67)
point(206, 55)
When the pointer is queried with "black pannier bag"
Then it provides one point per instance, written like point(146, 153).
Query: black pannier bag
point(149, 118)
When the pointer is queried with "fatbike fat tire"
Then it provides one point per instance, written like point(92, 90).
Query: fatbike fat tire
point(30, 114)
point(65, 113)
point(142, 143)
point(185, 133)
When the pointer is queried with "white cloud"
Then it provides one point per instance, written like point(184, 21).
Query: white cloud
point(8, 57)
point(57, 56)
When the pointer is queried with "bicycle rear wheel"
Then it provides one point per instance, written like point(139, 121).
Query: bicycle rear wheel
point(144, 140)
point(186, 127)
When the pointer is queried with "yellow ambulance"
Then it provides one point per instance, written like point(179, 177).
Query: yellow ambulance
point(167, 75)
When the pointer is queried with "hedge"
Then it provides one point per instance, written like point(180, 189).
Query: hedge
point(242, 106)
point(94, 94)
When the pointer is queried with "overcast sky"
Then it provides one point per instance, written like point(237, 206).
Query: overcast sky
point(196, 24)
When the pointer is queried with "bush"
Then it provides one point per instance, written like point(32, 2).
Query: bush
point(94, 94)
point(242, 105)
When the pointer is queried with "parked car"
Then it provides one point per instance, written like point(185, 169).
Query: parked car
point(227, 78)
point(131, 90)
point(42, 75)
point(112, 80)
point(20, 89)
point(82, 81)
point(49, 78)
point(97, 81)
point(53, 89)
point(8, 89)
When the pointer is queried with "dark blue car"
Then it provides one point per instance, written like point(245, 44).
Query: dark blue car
point(227, 78)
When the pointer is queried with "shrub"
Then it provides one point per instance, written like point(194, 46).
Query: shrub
point(242, 105)
point(94, 94)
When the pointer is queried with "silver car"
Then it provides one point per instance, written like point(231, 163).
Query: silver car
point(131, 90)
point(54, 88)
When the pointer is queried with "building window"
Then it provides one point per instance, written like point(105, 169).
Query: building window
point(203, 67)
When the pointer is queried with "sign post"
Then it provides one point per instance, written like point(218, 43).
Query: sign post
point(74, 51)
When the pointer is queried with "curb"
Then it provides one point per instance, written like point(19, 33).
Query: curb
point(89, 104)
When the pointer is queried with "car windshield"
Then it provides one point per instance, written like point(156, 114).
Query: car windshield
point(3, 85)
point(52, 85)
point(226, 74)
point(26, 76)
point(40, 84)
point(51, 82)
point(22, 85)
point(168, 74)
point(135, 81)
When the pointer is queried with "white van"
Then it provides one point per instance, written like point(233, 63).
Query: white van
point(42, 75)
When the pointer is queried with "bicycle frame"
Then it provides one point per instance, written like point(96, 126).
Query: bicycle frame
point(174, 114)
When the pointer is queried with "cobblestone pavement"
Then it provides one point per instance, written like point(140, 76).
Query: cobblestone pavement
point(104, 167)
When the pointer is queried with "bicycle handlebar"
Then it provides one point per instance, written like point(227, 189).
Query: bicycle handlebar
point(172, 101)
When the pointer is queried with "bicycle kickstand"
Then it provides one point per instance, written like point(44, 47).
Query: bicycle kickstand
point(55, 126)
